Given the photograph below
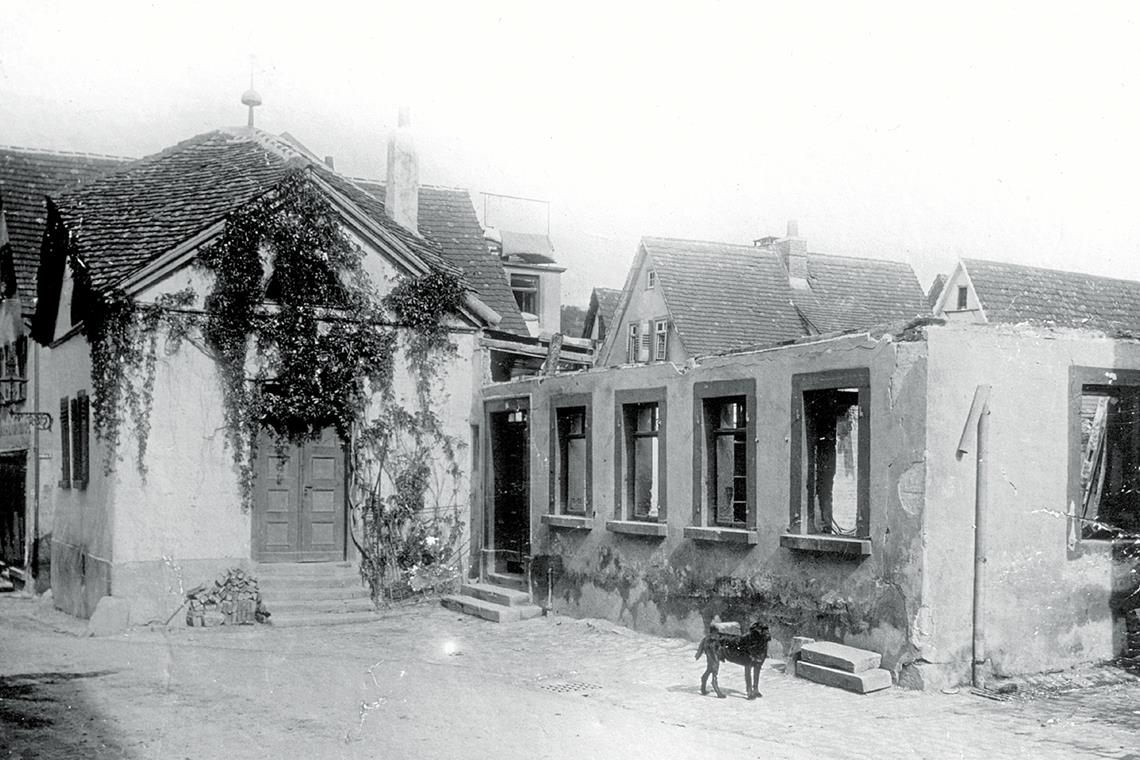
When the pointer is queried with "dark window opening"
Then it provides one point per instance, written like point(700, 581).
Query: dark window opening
point(65, 442)
point(1110, 461)
point(831, 468)
point(642, 468)
point(13, 371)
point(525, 288)
point(963, 293)
point(573, 481)
point(726, 446)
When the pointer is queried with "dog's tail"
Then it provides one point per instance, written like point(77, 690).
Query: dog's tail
point(702, 647)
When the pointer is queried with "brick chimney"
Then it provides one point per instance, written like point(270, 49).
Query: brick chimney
point(402, 190)
point(793, 252)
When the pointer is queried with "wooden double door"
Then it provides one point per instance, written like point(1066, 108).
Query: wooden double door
point(299, 500)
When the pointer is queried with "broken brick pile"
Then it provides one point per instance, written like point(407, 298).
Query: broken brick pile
point(235, 595)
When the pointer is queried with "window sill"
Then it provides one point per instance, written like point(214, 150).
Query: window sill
point(573, 522)
point(637, 528)
point(826, 544)
point(723, 535)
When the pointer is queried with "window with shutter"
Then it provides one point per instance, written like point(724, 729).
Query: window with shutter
point(646, 342)
point(82, 424)
point(632, 344)
point(65, 443)
point(76, 444)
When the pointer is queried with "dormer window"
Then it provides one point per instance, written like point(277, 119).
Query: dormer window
point(525, 288)
point(650, 280)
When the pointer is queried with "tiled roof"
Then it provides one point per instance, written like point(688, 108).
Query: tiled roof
point(1018, 293)
point(723, 296)
point(27, 176)
point(603, 304)
point(127, 218)
point(447, 217)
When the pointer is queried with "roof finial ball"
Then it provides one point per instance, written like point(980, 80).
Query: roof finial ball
point(252, 99)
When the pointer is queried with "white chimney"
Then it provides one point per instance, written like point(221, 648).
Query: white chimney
point(793, 252)
point(402, 190)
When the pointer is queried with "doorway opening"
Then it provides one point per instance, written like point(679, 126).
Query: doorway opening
point(507, 524)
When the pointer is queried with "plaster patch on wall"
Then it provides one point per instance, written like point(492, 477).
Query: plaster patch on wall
point(912, 488)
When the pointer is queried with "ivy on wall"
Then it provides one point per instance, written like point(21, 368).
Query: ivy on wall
point(303, 341)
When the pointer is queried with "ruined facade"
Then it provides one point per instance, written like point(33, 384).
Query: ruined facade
point(820, 486)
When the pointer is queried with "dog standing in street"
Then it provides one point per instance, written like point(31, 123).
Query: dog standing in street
point(749, 650)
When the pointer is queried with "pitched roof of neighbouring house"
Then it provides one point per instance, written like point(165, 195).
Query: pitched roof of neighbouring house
point(723, 296)
point(27, 176)
point(447, 217)
point(1019, 293)
point(128, 218)
point(603, 304)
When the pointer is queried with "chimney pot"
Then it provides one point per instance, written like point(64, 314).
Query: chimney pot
point(329, 162)
point(793, 229)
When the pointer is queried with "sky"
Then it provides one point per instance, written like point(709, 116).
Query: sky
point(889, 130)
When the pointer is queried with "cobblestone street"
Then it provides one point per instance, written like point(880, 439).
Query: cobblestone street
point(425, 682)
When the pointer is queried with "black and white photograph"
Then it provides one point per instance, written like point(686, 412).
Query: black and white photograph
point(599, 380)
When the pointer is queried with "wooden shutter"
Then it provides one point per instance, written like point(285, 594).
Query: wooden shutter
point(646, 342)
point(83, 426)
point(64, 443)
point(76, 445)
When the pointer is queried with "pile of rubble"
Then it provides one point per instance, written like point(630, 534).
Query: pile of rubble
point(235, 598)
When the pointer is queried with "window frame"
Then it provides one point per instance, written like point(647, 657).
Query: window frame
point(660, 335)
point(650, 278)
point(583, 401)
point(704, 506)
point(1079, 377)
point(527, 290)
point(623, 440)
point(963, 302)
point(860, 379)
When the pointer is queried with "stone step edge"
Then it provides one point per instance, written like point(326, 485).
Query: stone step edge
point(859, 683)
point(830, 654)
point(489, 592)
point(496, 613)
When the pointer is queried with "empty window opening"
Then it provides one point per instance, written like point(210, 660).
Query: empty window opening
point(572, 457)
point(726, 447)
point(963, 298)
point(831, 419)
point(525, 288)
point(1110, 461)
point(642, 425)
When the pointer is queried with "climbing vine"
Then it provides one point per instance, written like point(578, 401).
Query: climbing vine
point(303, 341)
point(124, 352)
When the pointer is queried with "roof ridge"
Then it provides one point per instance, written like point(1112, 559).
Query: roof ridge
point(1051, 269)
point(55, 152)
point(744, 246)
point(376, 181)
point(858, 258)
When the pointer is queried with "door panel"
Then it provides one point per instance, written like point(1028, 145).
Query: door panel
point(299, 501)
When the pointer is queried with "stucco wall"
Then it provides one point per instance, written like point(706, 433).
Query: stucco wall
point(674, 585)
point(82, 519)
point(1047, 607)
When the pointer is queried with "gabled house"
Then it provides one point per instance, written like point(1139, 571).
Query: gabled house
point(143, 511)
point(600, 314)
point(27, 177)
point(994, 292)
point(687, 298)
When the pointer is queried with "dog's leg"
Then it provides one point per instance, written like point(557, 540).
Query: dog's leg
point(714, 666)
point(704, 681)
point(748, 682)
point(756, 677)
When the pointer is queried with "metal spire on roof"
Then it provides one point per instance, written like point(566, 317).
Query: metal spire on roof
point(251, 97)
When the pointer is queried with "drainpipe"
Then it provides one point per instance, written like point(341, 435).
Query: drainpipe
point(979, 419)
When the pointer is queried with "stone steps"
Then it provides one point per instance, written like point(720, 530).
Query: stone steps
point(843, 667)
point(488, 592)
point(496, 613)
point(860, 683)
point(314, 593)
